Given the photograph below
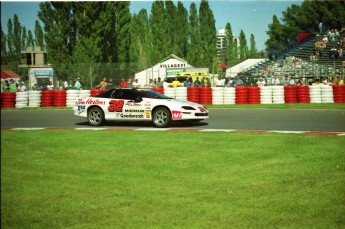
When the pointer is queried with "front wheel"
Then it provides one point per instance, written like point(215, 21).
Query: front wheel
point(95, 116)
point(161, 117)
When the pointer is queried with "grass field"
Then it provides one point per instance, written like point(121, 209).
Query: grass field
point(137, 179)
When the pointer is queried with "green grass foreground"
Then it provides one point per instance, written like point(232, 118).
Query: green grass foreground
point(141, 179)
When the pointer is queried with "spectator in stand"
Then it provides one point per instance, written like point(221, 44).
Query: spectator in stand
point(103, 84)
point(286, 81)
point(50, 86)
point(35, 87)
point(6, 87)
point(230, 82)
point(301, 81)
point(316, 83)
point(135, 84)
point(176, 83)
point(110, 83)
point(123, 84)
point(188, 82)
point(208, 82)
point(238, 81)
point(219, 82)
point(151, 84)
point(341, 52)
point(261, 82)
point(77, 84)
point(275, 81)
point(166, 84)
point(197, 82)
point(340, 81)
point(65, 85)
point(22, 87)
point(292, 81)
point(159, 83)
point(43, 85)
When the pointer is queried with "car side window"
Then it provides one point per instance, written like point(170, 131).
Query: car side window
point(118, 94)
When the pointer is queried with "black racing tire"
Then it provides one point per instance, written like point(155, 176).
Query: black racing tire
point(161, 117)
point(95, 116)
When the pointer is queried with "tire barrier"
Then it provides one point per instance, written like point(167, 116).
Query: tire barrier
point(315, 94)
point(193, 94)
point(253, 95)
point(181, 93)
point(47, 99)
point(170, 92)
point(8, 99)
point(339, 93)
point(229, 95)
point(202, 95)
point(205, 95)
point(71, 97)
point(60, 98)
point(290, 94)
point(327, 94)
point(266, 95)
point(303, 94)
point(217, 95)
point(22, 99)
point(35, 98)
point(241, 95)
point(278, 95)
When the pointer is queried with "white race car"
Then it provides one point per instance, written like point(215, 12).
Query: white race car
point(137, 105)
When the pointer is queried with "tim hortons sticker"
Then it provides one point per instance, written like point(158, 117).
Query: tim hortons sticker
point(176, 115)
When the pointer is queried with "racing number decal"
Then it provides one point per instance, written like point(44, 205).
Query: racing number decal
point(115, 105)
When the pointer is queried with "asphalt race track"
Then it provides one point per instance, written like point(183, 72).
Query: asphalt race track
point(222, 119)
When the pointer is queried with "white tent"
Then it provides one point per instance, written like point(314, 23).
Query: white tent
point(170, 66)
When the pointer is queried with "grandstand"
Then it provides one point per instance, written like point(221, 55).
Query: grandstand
point(303, 66)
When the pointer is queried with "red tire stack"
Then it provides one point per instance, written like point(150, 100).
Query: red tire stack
point(290, 94)
point(205, 95)
point(339, 93)
point(159, 90)
point(193, 94)
point(8, 99)
point(303, 94)
point(60, 98)
point(47, 99)
point(95, 92)
point(253, 95)
point(241, 95)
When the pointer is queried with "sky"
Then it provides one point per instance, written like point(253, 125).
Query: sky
point(251, 16)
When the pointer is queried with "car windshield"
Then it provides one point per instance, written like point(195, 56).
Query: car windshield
point(152, 95)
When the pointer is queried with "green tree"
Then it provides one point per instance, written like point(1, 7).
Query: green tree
point(208, 35)
point(141, 42)
point(3, 47)
point(39, 37)
point(194, 37)
point(182, 28)
point(30, 39)
point(23, 39)
point(253, 50)
point(158, 22)
point(243, 46)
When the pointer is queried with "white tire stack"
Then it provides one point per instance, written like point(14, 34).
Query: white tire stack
point(315, 94)
point(217, 95)
point(35, 98)
point(266, 95)
point(22, 99)
point(170, 92)
point(181, 93)
point(84, 93)
point(327, 94)
point(71, 97)
point(278, 94)
point(229, 95)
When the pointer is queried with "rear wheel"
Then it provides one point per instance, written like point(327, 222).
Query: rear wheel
point(95, 116)
point(161, 117)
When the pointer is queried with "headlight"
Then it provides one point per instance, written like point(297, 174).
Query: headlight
point(188, 108)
